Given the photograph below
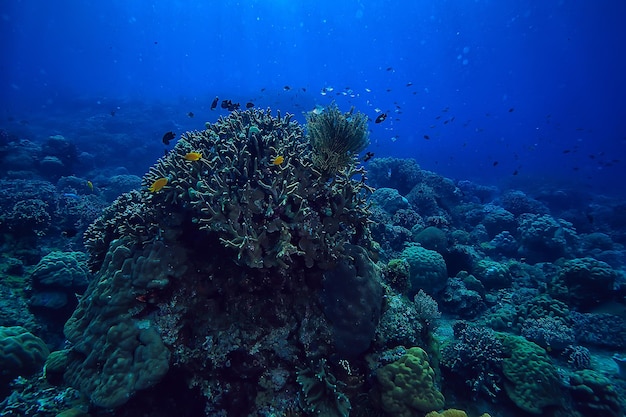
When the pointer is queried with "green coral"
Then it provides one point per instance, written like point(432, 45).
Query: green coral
point(427, 267)
point(322, 395)
point(408, 385)
point(397, 273)
point(594, 394)
point(336, 138)
point(531, 380)
point(21, 354)
point(113, 353)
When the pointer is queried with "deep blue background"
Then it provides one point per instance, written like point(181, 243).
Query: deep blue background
point(536, 86)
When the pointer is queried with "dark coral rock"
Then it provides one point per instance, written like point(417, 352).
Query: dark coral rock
point(460, 301)
point(352, 300)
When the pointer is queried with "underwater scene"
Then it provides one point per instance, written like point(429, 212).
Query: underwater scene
point(294, 209)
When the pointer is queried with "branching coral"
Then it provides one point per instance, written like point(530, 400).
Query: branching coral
point(268, 212)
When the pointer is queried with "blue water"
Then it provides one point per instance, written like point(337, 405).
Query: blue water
point(514, 93)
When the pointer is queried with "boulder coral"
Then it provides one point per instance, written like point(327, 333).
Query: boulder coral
point(583, 282)
point(532, 382)
point(408, 385)
point(21, 354)
point(428, 269)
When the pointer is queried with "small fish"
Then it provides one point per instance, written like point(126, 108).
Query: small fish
point(90, 185)
point(167, 137)
point(233, 106)
point(72, 195)
point(515, 172)
point(495, 163)
point(511, 110)
point(566, 151)
point(368, 156)
point(226, 104)
point(214, 103)
point(158, 185)
point(190, 114)
point(409, 84)
point(112, 112)
point(426, 137)
point(249, 105)
point(193, 156)
point(381, 118)
point(286, 88)
point(278, 160)
point(389, 69)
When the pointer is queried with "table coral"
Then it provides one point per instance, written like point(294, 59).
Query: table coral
point(408, 386)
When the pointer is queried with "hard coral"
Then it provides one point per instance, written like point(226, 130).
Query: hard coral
point(269, 214)
point(408, 386)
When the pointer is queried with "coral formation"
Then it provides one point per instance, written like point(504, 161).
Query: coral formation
point(428, 269)
point(532, 381)
point(584, 282)
point(56, 278)
point(322, 392)
point(389, 199)
point(21, 354)
point(408, 385)
point(114, 353)
point(475, 358)
point(268, 214)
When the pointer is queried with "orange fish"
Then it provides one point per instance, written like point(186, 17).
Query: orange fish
point(158, 185)
point(193, 156)
point(278, 160)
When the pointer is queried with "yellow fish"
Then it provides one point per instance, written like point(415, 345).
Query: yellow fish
point(157, 185)
point(278, 160)
point(193, 156)
point(90, 185)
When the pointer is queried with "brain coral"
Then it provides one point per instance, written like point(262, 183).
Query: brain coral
point(428, 269)
point(21, 354)
point(532, 381)
point(584, 282)
point(407, 385)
